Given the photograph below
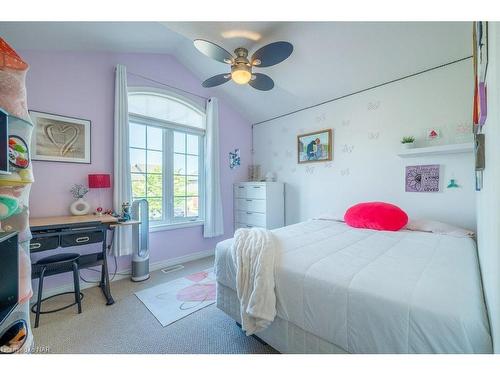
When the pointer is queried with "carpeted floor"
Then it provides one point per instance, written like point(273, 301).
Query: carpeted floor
point(128, 326)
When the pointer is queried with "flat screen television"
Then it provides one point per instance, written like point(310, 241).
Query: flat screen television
point(4, 143)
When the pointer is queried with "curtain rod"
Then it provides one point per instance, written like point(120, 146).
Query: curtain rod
point(164, 84)
point(360, 91)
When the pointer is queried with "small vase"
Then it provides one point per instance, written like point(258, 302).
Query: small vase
point(79, 207)
point(408, 145)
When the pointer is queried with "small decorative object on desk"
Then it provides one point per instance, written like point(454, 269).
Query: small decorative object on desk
point(408, 142)
point(79, 206)
point(125, 211)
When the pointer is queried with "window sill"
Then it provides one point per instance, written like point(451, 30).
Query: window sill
point(186, 224)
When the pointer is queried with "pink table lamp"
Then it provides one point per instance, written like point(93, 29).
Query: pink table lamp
point(99, 181)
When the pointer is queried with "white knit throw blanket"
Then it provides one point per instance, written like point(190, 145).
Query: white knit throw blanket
point(254, 255)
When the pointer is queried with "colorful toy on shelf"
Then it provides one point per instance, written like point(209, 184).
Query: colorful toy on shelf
point(18, 152)
point(8, 206)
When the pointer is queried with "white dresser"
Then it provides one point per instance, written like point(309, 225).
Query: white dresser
point(259, 204)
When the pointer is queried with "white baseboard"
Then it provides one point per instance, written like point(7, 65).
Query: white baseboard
point(125, 273)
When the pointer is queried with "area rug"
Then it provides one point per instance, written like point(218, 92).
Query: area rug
point(176, 299)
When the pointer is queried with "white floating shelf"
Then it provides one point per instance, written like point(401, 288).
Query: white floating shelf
point(459, 148)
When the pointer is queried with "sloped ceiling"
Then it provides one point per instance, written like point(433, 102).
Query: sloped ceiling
point(330, 59)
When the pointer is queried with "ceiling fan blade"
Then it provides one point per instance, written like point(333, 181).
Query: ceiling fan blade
point(261, 82)
point(272, 54)
point(217, 80)
point(213, 50)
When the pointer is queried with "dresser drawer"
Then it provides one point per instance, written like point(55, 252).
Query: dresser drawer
point(44, 243)
point(241, 225)
point(78, 239)
point(240, 191)
point(256, 191)
point(252, 218)
point(252, 191)
point(252, 205)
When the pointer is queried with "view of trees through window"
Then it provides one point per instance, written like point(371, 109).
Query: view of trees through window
point(147, 159)
point(166, 151)
point(146, 166)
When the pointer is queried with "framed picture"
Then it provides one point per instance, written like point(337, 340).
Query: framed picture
point(422, 178)
point(60, 138)
point(314, 147)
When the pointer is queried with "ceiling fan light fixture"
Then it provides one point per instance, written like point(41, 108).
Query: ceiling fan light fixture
point(241, 65)
point(241, 74)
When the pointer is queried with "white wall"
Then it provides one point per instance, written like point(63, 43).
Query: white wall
point(367, 132)
point(488, 199)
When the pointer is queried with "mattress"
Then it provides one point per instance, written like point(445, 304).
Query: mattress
point(367, 291)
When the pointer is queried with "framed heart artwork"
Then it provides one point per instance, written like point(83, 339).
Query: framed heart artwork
point(60, 138)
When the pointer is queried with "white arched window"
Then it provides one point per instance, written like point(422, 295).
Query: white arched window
point(166, 155)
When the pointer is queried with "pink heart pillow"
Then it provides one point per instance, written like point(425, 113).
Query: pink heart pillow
point(376, 215)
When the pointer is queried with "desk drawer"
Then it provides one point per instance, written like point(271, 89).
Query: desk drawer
point(78, 239)
point(44, 243)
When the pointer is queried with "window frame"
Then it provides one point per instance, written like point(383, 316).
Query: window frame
point(169, 221)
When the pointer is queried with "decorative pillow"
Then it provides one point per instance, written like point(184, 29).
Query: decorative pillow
point(376, 215)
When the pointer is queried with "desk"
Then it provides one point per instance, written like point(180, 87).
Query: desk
point(68, 231)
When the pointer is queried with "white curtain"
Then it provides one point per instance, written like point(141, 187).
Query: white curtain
point(122, 186)
point(214, 224)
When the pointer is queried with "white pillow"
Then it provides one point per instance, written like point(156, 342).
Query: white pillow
point(330, 217)
point(439, 228)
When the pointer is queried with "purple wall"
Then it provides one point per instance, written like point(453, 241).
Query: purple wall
point(82, 85)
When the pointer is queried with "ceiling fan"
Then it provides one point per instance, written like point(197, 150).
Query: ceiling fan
point(241, 66)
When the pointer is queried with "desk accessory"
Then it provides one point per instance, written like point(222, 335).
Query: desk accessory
point(79, 206)
point(99, 181)
point(125, 211)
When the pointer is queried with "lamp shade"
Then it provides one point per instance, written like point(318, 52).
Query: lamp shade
point(99, 181)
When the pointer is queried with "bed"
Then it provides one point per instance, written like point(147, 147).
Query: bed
point(346, 290)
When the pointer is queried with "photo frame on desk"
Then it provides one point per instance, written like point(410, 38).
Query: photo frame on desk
point(60, 138)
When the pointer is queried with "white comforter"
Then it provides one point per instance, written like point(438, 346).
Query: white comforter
point(377, 292)
point(253, 252)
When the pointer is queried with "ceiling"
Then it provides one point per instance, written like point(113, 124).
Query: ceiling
point(330, 59)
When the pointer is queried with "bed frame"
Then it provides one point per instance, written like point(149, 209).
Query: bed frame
point(282, 335)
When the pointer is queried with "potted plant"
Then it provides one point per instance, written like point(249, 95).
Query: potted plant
point(408, 141)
